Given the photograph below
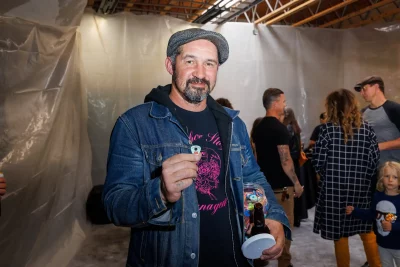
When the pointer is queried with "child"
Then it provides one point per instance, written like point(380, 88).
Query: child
point(384, 209)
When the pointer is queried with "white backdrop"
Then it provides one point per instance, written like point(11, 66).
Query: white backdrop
point(124, 57)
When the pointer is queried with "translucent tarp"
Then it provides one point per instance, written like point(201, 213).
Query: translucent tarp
point(44, 149)
point(50, 12)
point(124, 57)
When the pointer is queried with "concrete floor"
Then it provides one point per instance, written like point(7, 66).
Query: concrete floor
point(107, 246)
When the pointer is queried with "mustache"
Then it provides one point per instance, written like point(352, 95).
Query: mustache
point(198, 80)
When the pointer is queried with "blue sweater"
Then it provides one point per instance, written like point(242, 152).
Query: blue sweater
point(380, 206)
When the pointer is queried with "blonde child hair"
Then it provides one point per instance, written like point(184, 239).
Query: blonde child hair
point(389, 164)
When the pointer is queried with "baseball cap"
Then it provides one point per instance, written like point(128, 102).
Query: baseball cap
point(186, 36)
point(368, 80)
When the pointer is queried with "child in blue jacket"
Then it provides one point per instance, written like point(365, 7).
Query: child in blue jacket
point(384, 209)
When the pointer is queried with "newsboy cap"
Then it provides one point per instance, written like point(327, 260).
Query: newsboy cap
point(369, 80)
point(193, 34)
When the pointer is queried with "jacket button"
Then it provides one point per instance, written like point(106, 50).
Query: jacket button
point(193, 256)
point(194, 215)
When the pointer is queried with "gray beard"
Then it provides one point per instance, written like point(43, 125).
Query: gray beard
point(193, 95)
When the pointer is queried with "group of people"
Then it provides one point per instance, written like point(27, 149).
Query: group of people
point(348, 147)
point(177, 164)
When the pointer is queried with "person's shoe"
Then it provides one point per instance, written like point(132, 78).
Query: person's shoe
point(365, 264)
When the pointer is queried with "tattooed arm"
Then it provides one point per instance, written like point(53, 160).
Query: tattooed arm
point(288, 168)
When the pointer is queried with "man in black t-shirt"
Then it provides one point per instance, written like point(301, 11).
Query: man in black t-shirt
point(272, 139)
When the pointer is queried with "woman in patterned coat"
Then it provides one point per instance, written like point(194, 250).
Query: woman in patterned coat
point(346, 157)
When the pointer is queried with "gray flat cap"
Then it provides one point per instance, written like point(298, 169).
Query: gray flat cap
point(189, 35)
point(369, 80)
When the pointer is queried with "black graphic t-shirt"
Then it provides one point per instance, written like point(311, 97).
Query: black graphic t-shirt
point(216, 246)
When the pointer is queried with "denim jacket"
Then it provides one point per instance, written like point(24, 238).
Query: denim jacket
point(142, 138)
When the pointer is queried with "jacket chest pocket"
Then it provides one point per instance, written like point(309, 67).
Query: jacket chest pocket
point(238, 154)
point(238, 160)
point(156, 155)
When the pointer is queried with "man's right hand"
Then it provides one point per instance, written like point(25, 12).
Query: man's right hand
point(298, 189)
point(178, 173)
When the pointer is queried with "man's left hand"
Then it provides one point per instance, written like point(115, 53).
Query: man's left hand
point(276, 230)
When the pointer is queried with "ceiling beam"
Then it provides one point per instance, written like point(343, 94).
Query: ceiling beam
point(169, 6)
point(198, 13)
point(142, 10)
point(277, 11)
point(356, 13)
point(240, 12)
point(291, 12)
point(374, 18)
point(269, 5)
point(319, 5)
point(129, 5)
point(324, 12)
point(180, 1)
point(276, 3)
point(172, 6)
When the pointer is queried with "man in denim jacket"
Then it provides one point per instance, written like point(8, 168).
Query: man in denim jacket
point(180, 157)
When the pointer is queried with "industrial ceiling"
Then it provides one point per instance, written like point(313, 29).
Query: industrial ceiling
point(338, 14)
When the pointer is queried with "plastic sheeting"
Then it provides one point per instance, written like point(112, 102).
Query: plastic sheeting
point(49, 12)
point(307, 64)
point(44, 146)
point(124, 59)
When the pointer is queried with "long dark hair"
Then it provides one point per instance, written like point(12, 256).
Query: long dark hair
point(290, 119)
point(224, 102)
point(255, 123)
point(253, 145)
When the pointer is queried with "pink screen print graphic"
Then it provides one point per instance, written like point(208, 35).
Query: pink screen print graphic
point(208, 173)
